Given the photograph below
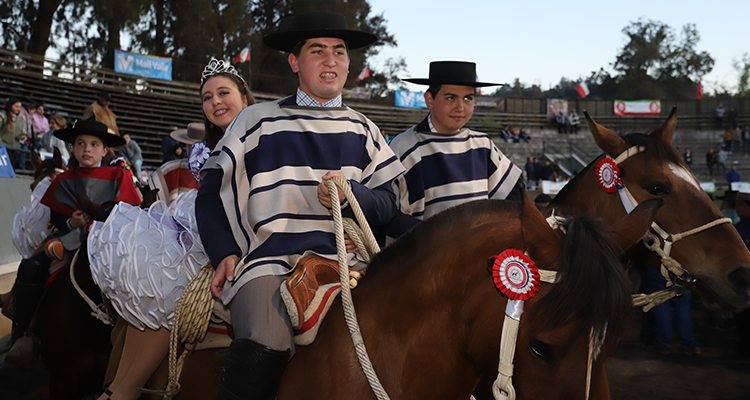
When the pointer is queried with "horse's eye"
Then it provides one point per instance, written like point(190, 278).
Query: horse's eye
point(657, 189)
point(541, 350)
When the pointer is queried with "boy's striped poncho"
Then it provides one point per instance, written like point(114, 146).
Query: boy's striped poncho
point(273, 157)
point(443, 171)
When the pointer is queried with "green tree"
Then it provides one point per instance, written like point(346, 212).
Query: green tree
point(742, 66)
point(27, 24)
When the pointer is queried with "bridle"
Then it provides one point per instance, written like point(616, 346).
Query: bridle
point(652, 240)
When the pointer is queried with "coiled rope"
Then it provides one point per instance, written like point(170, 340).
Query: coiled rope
point(190, 325)
point(97, 311)
point(350, 314)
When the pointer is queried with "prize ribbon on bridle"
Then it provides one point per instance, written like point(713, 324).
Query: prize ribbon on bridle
point(608, 175)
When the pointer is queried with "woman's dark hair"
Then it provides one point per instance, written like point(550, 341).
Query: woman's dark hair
point(8, 111)
point(213, 132)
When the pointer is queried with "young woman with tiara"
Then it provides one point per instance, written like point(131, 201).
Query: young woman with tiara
point(143, 259)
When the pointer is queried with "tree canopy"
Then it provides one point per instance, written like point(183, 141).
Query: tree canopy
point(188, 31)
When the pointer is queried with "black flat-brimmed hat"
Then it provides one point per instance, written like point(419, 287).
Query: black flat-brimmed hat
point(89, 127)
point(195, 132)
point(460, 73)
point(318, 24)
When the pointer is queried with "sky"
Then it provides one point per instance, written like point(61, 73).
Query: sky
point(539, 42)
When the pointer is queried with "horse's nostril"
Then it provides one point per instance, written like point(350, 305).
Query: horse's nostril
point(739, 278)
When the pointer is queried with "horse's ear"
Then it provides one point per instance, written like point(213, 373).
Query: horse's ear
point(666, 130)
point(542, 242)
point(57, 158)
point(36, 161)
point(609, 142)
point(629, 230)
point(149, 197)
point(96, 212)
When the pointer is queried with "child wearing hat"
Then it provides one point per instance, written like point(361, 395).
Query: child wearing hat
point(91, 142)
point(446, 163)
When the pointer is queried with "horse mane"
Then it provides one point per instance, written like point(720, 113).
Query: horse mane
point(440, 224)
point(591, 285)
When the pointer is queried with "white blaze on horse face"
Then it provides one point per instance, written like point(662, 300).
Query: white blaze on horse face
point(684, 174)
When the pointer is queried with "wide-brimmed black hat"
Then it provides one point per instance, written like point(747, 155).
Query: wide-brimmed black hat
point(318, 24)
point(89, 127)
point(195, 132)
point(460, 73)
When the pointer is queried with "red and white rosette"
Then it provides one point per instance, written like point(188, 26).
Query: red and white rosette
point(515, 274)
point(608, 175)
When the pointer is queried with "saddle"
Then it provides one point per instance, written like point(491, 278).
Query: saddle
point(309, 292)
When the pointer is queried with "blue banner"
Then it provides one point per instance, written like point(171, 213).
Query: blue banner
point(6, 169)
point(405, 98)
point(143, 65)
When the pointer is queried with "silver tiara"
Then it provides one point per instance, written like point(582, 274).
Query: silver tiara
point(217, 67)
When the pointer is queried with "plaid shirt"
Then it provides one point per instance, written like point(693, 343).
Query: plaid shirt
point(304, 99)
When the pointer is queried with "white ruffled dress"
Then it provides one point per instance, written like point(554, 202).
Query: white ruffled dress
point(31, 225)
point(143, 259)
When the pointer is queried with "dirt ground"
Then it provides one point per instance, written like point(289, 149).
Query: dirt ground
point(634, 371)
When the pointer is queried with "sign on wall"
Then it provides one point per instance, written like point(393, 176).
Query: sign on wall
point(143, 65)
point(637, 107)
point(6, 169)
point(405, 98)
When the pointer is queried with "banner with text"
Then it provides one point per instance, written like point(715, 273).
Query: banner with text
point(637, 107)
point(143, 65)
point(6, 170)
point(405, 98)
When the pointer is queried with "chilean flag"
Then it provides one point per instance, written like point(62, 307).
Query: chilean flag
point(699, 94)
point(244, 55)
point(365, 73)
point(582, 89)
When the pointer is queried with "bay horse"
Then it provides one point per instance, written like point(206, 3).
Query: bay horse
point(431, 316)
point(716, 260)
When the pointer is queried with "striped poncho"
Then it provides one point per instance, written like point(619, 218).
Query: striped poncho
point(272, 158)
point(443, 171)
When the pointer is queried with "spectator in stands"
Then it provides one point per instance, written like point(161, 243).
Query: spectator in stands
point(736, 139)
point(683, 319)
point(171, 148)
point(523, 135)
point(742, 320)
point(710, 162)
point(728, 140)
point(719, 116)
point(746, 140)
point(733, 117)
point(99, 110)
point(575, 122)
point(131, 152)
point(721, 161)
point(733, 175)
point(561, 120)
point(512, 135)
point(688, 157)
point(13, 130)
point(530, 175)
point(50, 141)
point(40, 125)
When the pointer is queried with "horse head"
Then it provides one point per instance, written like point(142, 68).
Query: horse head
point(577, 321)
point(699, 245)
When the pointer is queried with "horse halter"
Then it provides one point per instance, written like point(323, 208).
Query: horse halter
point(651, 241)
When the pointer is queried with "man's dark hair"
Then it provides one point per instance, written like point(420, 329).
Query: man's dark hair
point(433, 90)
point(298, 47)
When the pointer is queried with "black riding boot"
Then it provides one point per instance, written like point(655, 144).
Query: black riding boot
point(251, 371)
point(27, 293)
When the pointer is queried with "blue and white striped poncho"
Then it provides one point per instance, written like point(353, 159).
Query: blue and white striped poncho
point(443, 171)
point(273, 157)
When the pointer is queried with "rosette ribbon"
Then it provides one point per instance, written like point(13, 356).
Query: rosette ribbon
point(608, 175)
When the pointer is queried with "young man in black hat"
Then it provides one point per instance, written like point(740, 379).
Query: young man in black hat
point(446, 163)
point(91, 142)
point(263, 210)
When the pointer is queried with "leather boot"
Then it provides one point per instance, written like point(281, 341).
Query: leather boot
point(251, 371)
point(26, 299)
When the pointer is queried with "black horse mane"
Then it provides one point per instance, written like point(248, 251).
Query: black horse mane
point(591, 284)
point(653, 148)
point(449, 220)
